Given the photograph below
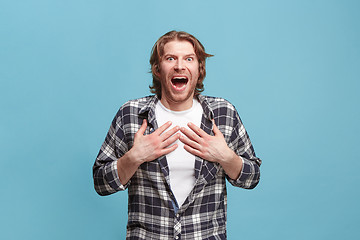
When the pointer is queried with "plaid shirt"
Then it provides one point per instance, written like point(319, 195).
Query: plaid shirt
point(152, 209)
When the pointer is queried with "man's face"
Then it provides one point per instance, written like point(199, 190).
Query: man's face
point(178, 74)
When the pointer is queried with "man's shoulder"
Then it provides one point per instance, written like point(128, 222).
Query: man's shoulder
point(139, 102)
point(216, 102)
point(134, 106)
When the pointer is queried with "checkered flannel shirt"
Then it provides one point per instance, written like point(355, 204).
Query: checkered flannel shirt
point(153, 212)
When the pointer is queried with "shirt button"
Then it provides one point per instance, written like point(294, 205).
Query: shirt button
point(177, 237)
point(177, 215)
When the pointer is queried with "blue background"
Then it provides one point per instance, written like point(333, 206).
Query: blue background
point(290, 67)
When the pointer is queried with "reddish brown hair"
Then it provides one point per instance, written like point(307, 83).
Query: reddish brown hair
point(158, 51)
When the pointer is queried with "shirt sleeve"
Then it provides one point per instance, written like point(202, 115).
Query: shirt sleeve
point(105, 174)
point(241, 144)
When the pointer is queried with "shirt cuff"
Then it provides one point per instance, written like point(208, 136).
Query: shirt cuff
point(113, 177)
point(246, 178)
point(245, 171)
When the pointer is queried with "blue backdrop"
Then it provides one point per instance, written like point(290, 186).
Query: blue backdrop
point(290, 67)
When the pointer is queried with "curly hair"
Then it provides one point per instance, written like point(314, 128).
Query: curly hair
point(158, 51)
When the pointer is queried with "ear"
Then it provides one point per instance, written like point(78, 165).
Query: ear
point(156, 70)
point(201, 69)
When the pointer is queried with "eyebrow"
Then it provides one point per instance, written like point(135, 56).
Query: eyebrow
point(173, 55)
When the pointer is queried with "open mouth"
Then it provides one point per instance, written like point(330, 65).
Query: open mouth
point(179, 82)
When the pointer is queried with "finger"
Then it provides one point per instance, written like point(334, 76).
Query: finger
point(197, 130)
point(190, 143)
point(168, 149)
point(216, 129)
point(190, 134)
point(161, 129)
point(143, 127)
point(169, 133)
point(171, 140)
point(193, 151)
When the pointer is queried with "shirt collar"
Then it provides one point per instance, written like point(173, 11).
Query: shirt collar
point(209, 114)
point(149, 107)
point(148, 110)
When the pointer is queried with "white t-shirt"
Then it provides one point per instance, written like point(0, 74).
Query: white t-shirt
point(181, 163)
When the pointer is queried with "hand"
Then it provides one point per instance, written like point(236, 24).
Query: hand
point(212, 148)
point(149, 147)
point(199, 143)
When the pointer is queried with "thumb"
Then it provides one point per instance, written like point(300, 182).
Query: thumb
point(143, 127)
point(216, 129)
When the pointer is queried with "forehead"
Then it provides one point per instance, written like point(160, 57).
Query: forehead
point(176, 47)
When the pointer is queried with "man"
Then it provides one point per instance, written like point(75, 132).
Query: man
point(174, 150)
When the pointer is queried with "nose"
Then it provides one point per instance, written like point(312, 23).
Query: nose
point(179, 65)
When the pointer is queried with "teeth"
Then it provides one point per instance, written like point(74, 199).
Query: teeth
point(179, 82)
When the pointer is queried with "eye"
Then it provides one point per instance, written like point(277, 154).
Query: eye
point(170, 58)
point(189, 59)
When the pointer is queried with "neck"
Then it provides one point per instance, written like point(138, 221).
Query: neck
point(177, 106)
